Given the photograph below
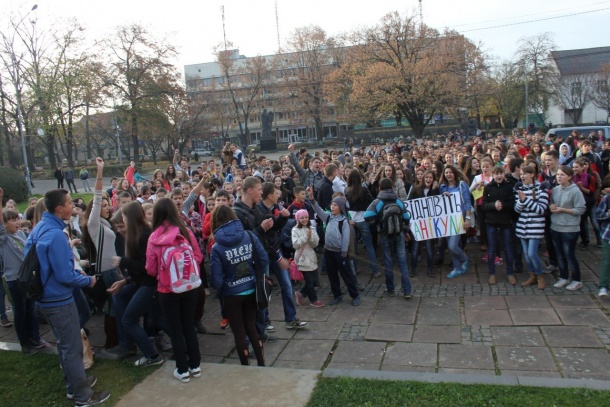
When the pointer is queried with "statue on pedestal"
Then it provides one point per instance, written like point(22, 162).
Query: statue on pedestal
point(267, 123)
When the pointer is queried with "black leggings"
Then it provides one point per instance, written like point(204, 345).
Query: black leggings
point(308, 289)
point(241, 313)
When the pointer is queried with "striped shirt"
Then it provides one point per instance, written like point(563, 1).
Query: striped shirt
point(530, 224)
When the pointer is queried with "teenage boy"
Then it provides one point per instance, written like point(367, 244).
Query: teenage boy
point(299, 203)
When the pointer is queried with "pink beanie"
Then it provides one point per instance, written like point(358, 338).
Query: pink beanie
point(300, 213)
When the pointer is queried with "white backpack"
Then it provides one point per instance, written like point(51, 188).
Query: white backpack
point(179, 261)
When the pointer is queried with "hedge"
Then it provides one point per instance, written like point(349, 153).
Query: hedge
point(14, 185)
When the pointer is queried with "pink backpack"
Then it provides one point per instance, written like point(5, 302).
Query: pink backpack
point(181, 265)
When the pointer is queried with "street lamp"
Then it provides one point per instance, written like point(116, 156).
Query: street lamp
point(18, 100)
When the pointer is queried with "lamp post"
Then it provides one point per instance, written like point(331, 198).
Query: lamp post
point(16, 81)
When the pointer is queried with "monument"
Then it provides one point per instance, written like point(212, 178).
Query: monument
point(268, 142)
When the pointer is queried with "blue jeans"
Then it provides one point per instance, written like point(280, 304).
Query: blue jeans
point(82, 306)
point(64, 322)
point(133, 302)
point(2, 301)
point(458, 257)
point(25, 319)
point(530, 252)
point(283, 278)
point(493, 234)
point(565, 246)
point(429, 244)
point(395, 246)
point(367, 239)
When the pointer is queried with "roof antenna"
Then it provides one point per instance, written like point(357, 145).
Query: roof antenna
point(277, 28)
point(224, 33)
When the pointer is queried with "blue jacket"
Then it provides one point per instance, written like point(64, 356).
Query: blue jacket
point(375, 209)
point(464, 191)
point(231, 260)
point(55, 257)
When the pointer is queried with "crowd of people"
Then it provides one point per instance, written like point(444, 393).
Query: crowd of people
point(226, 218)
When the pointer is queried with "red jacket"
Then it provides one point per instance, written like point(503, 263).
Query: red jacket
point(163, 237)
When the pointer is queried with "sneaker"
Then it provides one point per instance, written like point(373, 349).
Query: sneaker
point(251, 354)
point(196, 372)
point(562, 282)
point(120, 352)
point(356, 301)
point(549, 269)
point(499, 261)
point(268, 338)
point(317, 304)
point(390, 293)
point(512, 280)
point(94, 400)
point(224, 323)
point(484, 259)
point(199, 328)
point(465, 267)
point(454, 273)
point(359, 287)
point(336, 301)
point(38, 344)
point(269, 328)
point(183, 377)
point(408, 296)
point(574, 285)
point(296, 324)
point(162, 343)
point(28, 349)
point(91, 380)
point(298, 298)
point(6, 323)
point(603, 292)
point(492, 279)
point(144, 361)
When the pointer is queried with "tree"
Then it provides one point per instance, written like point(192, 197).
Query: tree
point(601, 90)
point(573, 93)
point(140, 69)
point(305, 63)
point(507, 93)
point(403, 68)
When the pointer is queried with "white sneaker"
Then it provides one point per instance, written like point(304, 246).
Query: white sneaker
point(562, 282)
point(574, 285)
point(603, 292)
point(183, 377)
point(549, 269)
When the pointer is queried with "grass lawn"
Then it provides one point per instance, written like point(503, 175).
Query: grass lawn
point(37, 380)
point(86, 197)
point(346, 392)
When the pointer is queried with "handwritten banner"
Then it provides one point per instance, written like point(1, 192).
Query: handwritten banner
point(436, 216)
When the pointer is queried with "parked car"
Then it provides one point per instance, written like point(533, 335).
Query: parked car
point(564, 132)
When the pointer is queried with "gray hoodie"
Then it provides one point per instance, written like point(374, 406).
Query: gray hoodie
point(335, 240)
point(11, 252)
point(569, 197)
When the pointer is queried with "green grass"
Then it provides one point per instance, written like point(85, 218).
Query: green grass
point(37, 380)
point(23, 205)
point(345, 392)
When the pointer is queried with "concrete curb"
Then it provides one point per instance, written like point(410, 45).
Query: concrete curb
point(469, 379)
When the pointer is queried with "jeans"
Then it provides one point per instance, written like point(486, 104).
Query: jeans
point(530, 252)
point(584, 225)
point(24, 313)
point(604, 273)
point(241, 313)
point(2, 300)
point(133, 302)
point(180, 312)
point(86, 186)
point(308, 289)
point(335, 266)
point(517, 249)
point(565, 246)
point(429, 244)
point(283, 278)
point(458, 257)
point(64, 322)
point(493, 235)
point(82, 306)
point(395, 246)
point(550, 247)
point(367, 239)
point(71, 185)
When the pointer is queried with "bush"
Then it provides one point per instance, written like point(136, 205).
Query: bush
point(14, 185)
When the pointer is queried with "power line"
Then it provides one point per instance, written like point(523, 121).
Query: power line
point(534, 21)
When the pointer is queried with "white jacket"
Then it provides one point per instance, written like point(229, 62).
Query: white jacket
point(304, 255)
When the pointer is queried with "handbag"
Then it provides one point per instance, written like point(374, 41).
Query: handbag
point(263, 287)
point(293, 271)
point(87, 351)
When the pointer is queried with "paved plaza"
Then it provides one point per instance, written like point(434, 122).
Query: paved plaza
point(453, 326)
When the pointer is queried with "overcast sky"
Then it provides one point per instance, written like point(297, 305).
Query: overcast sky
point(195, 27)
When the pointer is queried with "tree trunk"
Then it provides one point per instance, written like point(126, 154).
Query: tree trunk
point(87, 135)
point(134, 135)
point(319, 128)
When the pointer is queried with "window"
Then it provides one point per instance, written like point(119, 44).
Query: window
point(602, 86)
point(576, 88)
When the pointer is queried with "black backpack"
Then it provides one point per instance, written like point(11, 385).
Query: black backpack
point(29, 275)
point(391, 223)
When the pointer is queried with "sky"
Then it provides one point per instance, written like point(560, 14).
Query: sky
point(195, 27)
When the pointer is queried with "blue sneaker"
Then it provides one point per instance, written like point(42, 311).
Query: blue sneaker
point(455, 273)
point(465, 267)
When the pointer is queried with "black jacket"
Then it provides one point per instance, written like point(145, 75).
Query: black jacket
point(499, 192)
point(136, 267)
point(251, 219)
point(361, 203)
point(325, 193)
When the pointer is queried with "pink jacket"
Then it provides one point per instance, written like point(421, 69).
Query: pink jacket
point(160, 239)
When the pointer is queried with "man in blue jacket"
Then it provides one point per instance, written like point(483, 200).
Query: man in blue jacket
point(59, 279)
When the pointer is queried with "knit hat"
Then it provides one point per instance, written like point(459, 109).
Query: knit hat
point(300, 214)
point(340, 201)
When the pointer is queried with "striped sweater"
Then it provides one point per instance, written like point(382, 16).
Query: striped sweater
point(530, 224)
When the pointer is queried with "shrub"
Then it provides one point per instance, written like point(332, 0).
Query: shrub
point(14, 185)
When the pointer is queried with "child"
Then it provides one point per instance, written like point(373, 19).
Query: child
point(305, 240)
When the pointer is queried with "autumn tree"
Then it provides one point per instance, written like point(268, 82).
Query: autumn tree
point(403, 68)
point(601, 90)
point(508, 93)
point(573, 93)
point(139, 69)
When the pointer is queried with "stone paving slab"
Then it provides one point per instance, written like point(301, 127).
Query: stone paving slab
point(389, 332)
point(437, 334)
point(307, 351)
point(545, 316)
point(411, 354)
point(583, 362)
point(527, 302)
point(484, 303)
point(525, 358)
point(571, 336)
point(359, 352)
point(583, 317)
point(465, 356)
point(575, 301)
point(395, 316)
point(319, 330)
point(488, 316)
point(517, 336)
point(435, 316)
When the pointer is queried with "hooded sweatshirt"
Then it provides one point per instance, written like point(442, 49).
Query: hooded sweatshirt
point(335, 240)
point(163, 237)
point(232, 259)
point(565, 159)
point(11, 252)
point(569, 197)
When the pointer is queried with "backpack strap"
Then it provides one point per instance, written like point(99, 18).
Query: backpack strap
point(100, 247)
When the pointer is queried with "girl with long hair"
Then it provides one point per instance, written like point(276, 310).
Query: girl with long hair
point(476, 188)
point(426, 187)
point(179, 308)
point(170, 175)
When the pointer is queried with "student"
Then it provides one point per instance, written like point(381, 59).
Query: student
point(235, 279)
point(426, 187)
point(392, 241)
point(603, 216)
point(84, 176)
point(305, 240)
point(336, 245)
